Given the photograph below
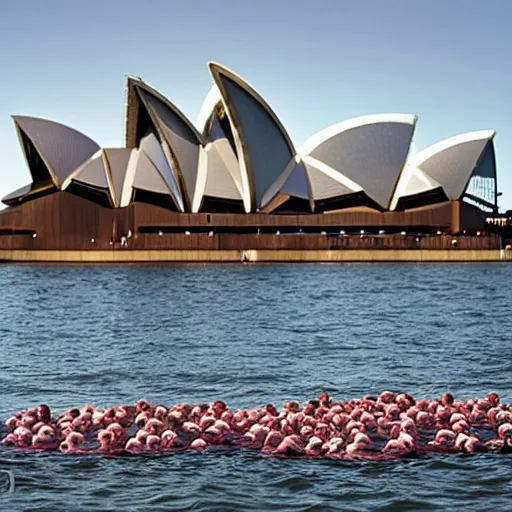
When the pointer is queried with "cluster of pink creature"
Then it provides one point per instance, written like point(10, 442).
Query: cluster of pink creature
point(387, 426)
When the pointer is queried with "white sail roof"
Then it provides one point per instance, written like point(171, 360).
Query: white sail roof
point(180, 139)
point(92, 172)
point(452, 161)
point(262, 144)
point(370, 151)
point(413, 181)
point(218, 174)
point(119, 171)
point(309, 179)
point(61, 148)
point(212, 98)
point(150, 145)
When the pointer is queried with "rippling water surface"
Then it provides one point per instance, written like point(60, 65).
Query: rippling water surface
point(250, 335)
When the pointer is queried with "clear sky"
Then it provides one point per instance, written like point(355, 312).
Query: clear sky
point(316, 62)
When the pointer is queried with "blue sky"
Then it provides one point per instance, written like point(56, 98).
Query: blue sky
point(317, 63)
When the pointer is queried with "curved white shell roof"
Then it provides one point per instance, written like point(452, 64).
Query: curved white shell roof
point(370, 151)
point(212, 98)
point(327, 182)
point(147, 177)
point(135, 170)
point(61, 148)
point(451, 162)
point(412, 181)
point(245, 154)
point(183, 142)
point(118, 171)
point(293, 181)
point(308, 178)
point(262, 144)
point(183, 139)
point(105, 170)
point(151, 146)
point(134, 84)
point(117, 160)
point(218, 174)
point(92, 172)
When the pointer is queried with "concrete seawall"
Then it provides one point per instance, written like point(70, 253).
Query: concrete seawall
point(255, 256)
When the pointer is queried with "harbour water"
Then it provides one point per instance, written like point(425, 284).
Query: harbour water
point(249, 335)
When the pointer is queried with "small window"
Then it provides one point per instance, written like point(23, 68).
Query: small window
point(11, 231)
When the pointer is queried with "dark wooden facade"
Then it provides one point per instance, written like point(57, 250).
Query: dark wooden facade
point(62, 221)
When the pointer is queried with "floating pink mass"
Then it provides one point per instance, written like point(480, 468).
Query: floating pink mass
point(383, 427)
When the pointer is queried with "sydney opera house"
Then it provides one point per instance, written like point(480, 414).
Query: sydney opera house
point(234, 180)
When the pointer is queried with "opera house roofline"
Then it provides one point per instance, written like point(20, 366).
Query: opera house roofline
point(132, 106)
point(263, 146)
point(207, 107)
point(361, 157)
point(332, 131)
point(445, 144)
point(236, 174)
point(148, 112)
point(52, 150)
point(453, 167)
point(217, 69)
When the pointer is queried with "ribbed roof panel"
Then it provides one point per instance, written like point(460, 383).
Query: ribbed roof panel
point(324, 186)
point(222, 169)
point(62, 148)
point(452, 161)
point(118, 159)
point(182, 140)
point(370, 150)
point(151, 146)
point(263, 146)
point(92, 172)
point(147, 176)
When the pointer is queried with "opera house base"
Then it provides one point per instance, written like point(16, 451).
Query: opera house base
point(255, 256)
point(62, 227)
